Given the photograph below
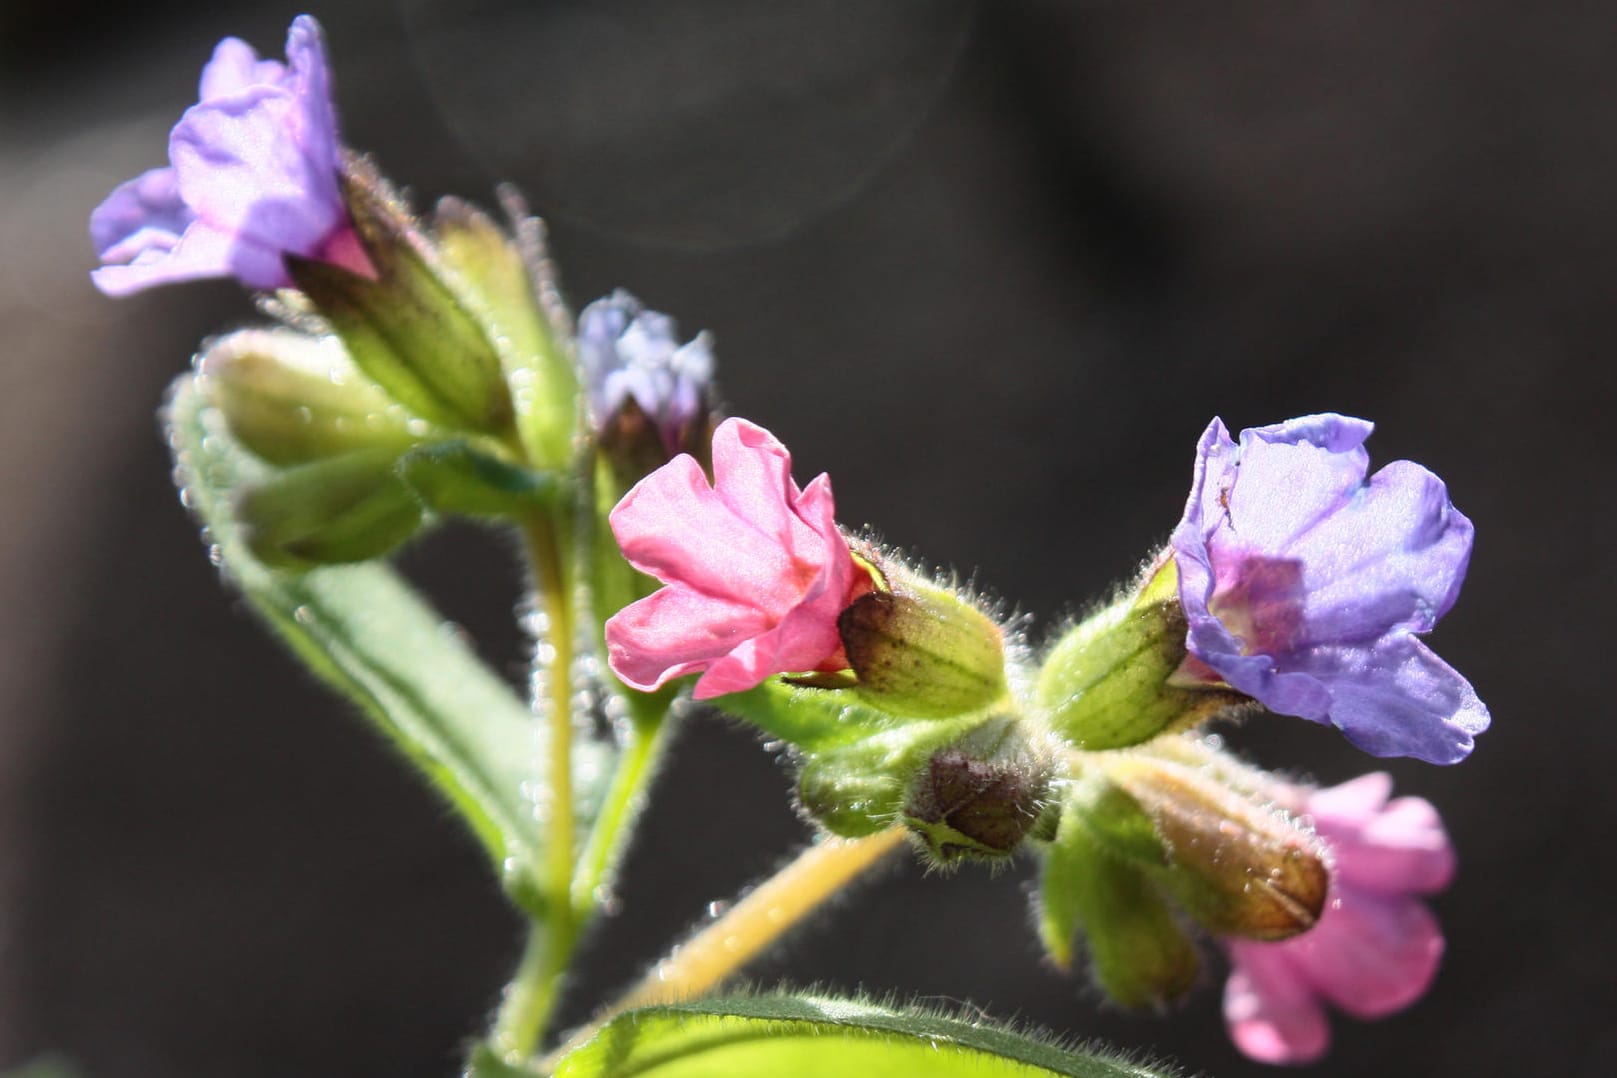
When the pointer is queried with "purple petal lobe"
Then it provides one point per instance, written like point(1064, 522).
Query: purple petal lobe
point(253, 177)
point(1303, 583)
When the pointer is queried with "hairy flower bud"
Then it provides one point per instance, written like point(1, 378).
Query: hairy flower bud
point(1106, 683)
point(1138, 953)
point(343, 509)
point(919, 650)
point(292, 398)
point(506, 279)
point(981, 795)
point(406, 326)
point(1239, 867)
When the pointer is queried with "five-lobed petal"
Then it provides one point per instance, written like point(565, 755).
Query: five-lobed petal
point(252, 177)
point(1376, 947)
point(1304, 584)
point(754, 568)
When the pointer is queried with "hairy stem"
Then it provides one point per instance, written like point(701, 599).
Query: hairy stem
point(530, 998)
point(719, 950)
point(613, 824)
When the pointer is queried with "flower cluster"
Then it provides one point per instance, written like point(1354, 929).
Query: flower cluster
point(443, 376)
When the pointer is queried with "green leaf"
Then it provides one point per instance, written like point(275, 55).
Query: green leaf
point(368, 635)
point(810, 1036)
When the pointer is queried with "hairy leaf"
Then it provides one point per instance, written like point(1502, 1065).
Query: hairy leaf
point(812, 1036)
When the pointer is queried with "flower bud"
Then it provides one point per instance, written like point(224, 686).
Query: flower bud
point(1106, 683)
point(407, 328)
point(1138, 953)
point(981, 795)
point(508, 282)
point(1239, 867)
point(291, 398)
point(922, 651)
point(343, 509)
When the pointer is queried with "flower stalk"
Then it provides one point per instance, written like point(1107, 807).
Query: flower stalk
point(719, 950)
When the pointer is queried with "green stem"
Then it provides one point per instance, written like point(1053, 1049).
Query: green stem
point(718, 951)
point(531, 996)
point(612, 827)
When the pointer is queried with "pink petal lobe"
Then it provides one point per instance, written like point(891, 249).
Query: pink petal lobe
point(1270, 1012)
point(1370, 955)
point(755, 570)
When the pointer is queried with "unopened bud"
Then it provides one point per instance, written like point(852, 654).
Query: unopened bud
point(507, 279)
point(855, 786)
point(1239, 867)
point(407, 328)
point(292, 398)
point(1138, 953)
point(981, 795)
point(1105, 684)
point(344, 509)
point(922, 651)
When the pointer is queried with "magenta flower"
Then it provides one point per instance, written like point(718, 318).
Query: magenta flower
point(252, 177)
point(1376, 947)
point(1305, 585)
point(628, 353)
point(755, 570)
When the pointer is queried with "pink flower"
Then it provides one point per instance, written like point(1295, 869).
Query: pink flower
point(1376, 947)
point(755, 570)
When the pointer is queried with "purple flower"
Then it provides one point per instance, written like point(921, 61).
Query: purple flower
point(253, 176)
point(1375, 948)
point(631, 354)
point(1305, 584)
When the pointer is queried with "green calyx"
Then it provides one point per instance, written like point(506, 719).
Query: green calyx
point(1138, 952)
point(980, 795)
point(922, 651)
point(292, 398)
point(1237, 865)
point(407, 328)
point(1106, 683)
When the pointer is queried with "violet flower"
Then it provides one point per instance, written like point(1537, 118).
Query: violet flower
point(628, 353)
point(755, 570)
point(1375, 948)
point(1305, 585)
point(252, 177)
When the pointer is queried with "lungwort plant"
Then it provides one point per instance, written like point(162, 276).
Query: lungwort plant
point(426, 367)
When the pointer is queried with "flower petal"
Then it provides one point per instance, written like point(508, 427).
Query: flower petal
point(1396, 698)
point(1391, 559)
point(1392, 848)
point(1287, 479)
point(677, 631)
point(1371, 955)
point(1269, 1008)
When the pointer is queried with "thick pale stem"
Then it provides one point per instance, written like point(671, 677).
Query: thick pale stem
point(719, 950)
point(525, 1012)
point(552, 591)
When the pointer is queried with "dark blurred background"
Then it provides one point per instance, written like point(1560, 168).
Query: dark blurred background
point(993, 266)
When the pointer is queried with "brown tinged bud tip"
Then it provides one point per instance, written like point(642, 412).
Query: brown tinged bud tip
point(980, 796)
